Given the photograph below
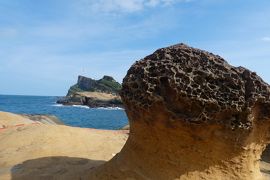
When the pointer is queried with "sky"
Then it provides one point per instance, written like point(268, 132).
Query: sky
point(45, 45)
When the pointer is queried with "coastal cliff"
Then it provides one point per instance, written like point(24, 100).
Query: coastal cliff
point(94, 93)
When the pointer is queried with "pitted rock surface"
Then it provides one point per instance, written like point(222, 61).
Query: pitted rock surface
point(195, 86)
point(192, 116)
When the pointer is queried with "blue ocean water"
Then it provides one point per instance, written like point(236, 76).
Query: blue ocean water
point(79, 116)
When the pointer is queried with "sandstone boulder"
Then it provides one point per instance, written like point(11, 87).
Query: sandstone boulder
point(192, 116)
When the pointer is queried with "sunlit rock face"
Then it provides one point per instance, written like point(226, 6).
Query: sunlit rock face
point(192, 116)
point(195, 86)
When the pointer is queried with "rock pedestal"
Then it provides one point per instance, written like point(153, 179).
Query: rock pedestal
point(192, 116)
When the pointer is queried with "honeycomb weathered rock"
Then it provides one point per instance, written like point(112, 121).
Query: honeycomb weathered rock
point(192, 116)
point(195, 86)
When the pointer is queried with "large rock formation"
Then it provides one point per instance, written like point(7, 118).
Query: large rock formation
point(192, 116)
point(93, 93)
point(107, 84)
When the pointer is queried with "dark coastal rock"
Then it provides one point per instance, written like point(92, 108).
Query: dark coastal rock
point(70, 100)
point(95, 102)
point(191, 116)
point(92, 102)
point(85, 83)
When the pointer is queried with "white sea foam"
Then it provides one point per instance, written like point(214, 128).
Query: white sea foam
point(58, 105)
point(86, 107)
point(76, 106)
point(110, 108)
point(80, 106)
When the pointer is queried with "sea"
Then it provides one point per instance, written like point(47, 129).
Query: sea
point(78, 116)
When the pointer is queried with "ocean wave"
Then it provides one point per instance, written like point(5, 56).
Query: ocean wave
point(58, 105)
point(110, 108)
point(76, 106)
point(80, 106)
point(86, 107)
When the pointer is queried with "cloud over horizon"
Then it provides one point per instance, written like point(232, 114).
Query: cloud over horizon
point(266, 38)
point(46, 44)
point(124, 6)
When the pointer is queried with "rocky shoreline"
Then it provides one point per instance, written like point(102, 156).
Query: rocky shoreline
point(93, 93)
point(90, 101)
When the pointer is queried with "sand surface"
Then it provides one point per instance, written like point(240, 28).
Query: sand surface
point(43, 151)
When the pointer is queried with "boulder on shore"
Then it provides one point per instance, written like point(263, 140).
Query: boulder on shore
point(191, 116)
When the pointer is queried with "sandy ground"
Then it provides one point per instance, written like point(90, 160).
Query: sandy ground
point(42, 151)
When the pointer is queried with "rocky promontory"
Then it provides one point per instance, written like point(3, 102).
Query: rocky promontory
point(93, 93)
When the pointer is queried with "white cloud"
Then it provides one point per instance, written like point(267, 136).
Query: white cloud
point(124, 6)
point(117, 5)
point(267, 39)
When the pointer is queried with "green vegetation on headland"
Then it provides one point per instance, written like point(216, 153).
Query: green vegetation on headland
point(73, 89)
point(94, 93)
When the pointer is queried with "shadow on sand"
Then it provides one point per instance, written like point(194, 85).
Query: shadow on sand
point(58, 167)
point(72, 168)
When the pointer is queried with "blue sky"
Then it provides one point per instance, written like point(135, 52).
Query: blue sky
point(45, 45)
